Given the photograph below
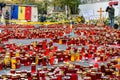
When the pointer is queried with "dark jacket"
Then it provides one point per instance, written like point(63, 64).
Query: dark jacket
point(7, 15)
point(111, 12)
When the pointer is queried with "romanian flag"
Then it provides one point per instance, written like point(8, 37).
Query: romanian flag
point(14, 11)
point(21, 13)
point(28, 13)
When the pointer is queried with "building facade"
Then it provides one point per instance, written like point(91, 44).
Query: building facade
point(92, 1)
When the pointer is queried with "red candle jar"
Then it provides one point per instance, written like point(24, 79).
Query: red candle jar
point(67, 78)
point(74, 76)
point(33, 67)
point(93, 76)
point(102, 68)
point(53, 78)
point(25, 61)
point(59, 77)
point(29, 75)
point(45, 68)
point(12, 71)
point(18, 72)
point(87, 78)
point(14, 77)
point(42, 75)
point(1, 66)
point(101, 57)
point(9, 76)
point(34, 77)
point(44, 61)
point(99, 75)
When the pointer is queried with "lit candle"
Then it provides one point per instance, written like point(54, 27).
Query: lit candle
point(77, 56)
point(13, 63)
point(72, 57)
point(37, 59)
point(60, 41)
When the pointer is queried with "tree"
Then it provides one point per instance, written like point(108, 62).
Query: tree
point(72, 5)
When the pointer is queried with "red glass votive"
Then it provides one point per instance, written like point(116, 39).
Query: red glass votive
point(1, 66)
point(47, 52)
point(52, 60)
point(87, 78)
point(44, 61)
point(44, 46)
point(18, 65)
point(12, 71)
point(39, 61)
point(67, 78)
point(25, 61)
point(42, 74)
point(93, 76)
point(102, 68)
point(96, 65)
point(66, 58)
point(53, 78)
point(9, 76)
point(59, 77)
point(34, 77)
point(99, 75)
point(33, 67)
point(74, 76)
point(29, 75)
point(29, 61)
point(101, 57)
point(22, 60)
point(14, 77)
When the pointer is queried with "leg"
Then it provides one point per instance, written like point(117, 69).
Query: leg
point(112, 22)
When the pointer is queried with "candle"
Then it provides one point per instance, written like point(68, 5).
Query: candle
point(72, 57)
point(1, 65)
point(96, 65)
point(37, 59)
point(29, 75)
point(77, 56)
point(87, 78)
point(67, 78)
point(12, 71)
point(52, 60)
point(33, 67)
point(59, 77)
point(13, 63)
point(17, 54)
point(74, 76)
point(93, 76)
point(44, 46)
point(60, 41)
point(34, 77)
point(99, 75)
point(42, 74)
point(53, 78)
point(44, 61)
point(47, 52)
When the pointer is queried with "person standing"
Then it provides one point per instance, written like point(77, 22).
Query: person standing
point(111, 11)
point(7, 16)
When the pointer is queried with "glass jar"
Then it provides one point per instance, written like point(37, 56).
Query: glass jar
point(33, 67)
